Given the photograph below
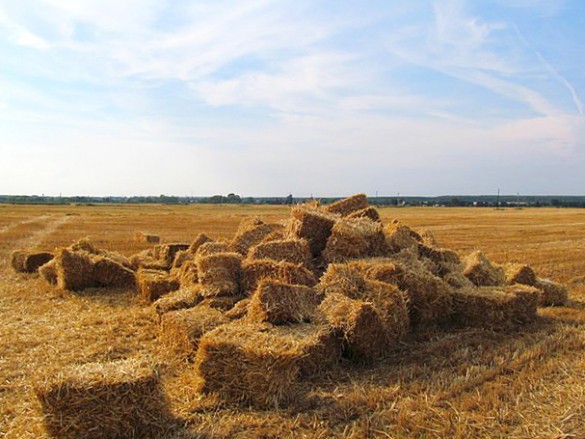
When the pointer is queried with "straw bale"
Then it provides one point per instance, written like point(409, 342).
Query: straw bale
point(519, 274)
point(278, 303)
point(552, 293)
point(187, 274)
point(29, 262)
point(277, 235)
point(355, 238)
point(212, 248)
point(199, 240)
point(181, 330)
point(358, 324)
point(84, 244)
point(153, 284)
point(391, 304)
point(48, 271)
point(443, 261)
point(219, 274)
point(481, 272)
point(383, 271)
point(457, 280)
point(348, 205)
point(399, 237)
point(526, 304)
point(166, 252)
point(181, 257)
point(293, 250)
point(121, 399)
point(311, 224)
point(17, 260)
point(254, 271)
point(343, 279)
point(179, 299)
point(109, 273)
point(428, 238)
point(239, 310)
point(223, 303)
point(146, 237)
point(74, 270)
point(257, 364)
point(251, 233)
point(145, 259)
point(368, 212)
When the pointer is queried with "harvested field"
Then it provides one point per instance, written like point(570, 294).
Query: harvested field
point(469, 382)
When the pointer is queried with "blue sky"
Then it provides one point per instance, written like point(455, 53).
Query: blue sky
point(110, 97)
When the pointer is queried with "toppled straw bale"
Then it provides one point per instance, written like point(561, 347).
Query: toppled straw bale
point(166, 252)
point(29, 262)
point(353, 239)
point(311, 224)
point(257, 364)
point(109, 273)
point(368, 212)
point(74, 270)
point(121, 399)
point(400, 237)
point(358, 324)
point(343, 279)
point(176, 300)
point(278, 303)
point(212, 248)
point(239, 310)
point(428, 238)
point(85, 245)
point(153, 284)
point(519, 274)
point(199, 240)
point(48, 271)
point(146, 237)
point(481, 272)
point(181, 257)
point(219, 274)
point(391, 304)
point(295, 251)
point(348, 205)
point(187, 274)
point(254, 271)
point(145, 259)
point(223, 303)
point(251, 233)
point(181, 330)
point(551, 293)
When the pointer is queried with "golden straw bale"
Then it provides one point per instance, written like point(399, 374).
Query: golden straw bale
point(526, 304)
point(153, 284)
point(145, 259)
point(277, 235)
point(181, 257)
point(428, 238)
point(293, 250)
point(239, 310)
point(17, 260)
point(348, 205)
point(219, 274)
point(254, 271)
point(443, 261)
point(179, 299)
point(223, 303)
point(552, 293)
point(360, 326)
point(383, 271)
point(146, 237)
point(399, 237)
point(121, 399)
point(212, 248)
point(481, 272)
point(519, 274)
point(109, 273)
point(278, 303)
point(187, 274)
point(181, 330)
point(48, 271)
point(199, 240)
point(368, 212)
point(84, 244)
point(251, 233)
point(355, 238)
point(344, 279)
point(29, 262)
point(312, 224)
point(391, 304)
point(258, 364)
point(74, 270)
point(166, 252)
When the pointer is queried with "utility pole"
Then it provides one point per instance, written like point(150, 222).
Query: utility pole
point(498, 200)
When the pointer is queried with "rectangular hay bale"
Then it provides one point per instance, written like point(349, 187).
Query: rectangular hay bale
point(29, 262)
point(348, 205)
point(354, 239)
point(153, 284)
point(482, 272)
point(311, 224)
point(256, 270)
point(179, 299)
point(219, 274)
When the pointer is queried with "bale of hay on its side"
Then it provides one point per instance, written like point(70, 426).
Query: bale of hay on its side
point(146, 237)
point(219, 274)
point(181, 257)
point(428, 238)
point(74, 270)
point(368, 212)
point(29, 262)
point(109, 273)
point(354, 239)
point(166, 252)
point(223, 303)
point(239, 310)
point(313, 225)
point(391, 304)
point(296, 251)
point(48, 271)
point(104, 400)
point(176, 300)
point(526, 304)
point(400, 237)
point(519, 274)
point(251, 233)
point(279, 303)
point(153, 284)
point(481, 272)
point(17, 260)
point(187, 274)
point(146, 260)
point(348, 205)
point(199, 240)
point(254, 271)
point(552, 293)
point(181, 330)
point(444, 259)
point(343, 279)
point(212, 248)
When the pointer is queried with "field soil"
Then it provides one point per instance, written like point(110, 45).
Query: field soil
point(468, 383)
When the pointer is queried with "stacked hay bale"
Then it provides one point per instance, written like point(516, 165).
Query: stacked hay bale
point(153, 284)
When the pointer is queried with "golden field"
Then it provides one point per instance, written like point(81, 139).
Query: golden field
point(470, 383)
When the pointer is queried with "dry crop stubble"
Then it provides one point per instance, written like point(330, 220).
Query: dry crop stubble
point(466, 383)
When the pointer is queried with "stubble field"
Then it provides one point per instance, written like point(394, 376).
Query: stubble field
point(469, 383)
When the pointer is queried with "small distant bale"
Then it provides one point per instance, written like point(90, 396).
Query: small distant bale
point(258, 365)
point(551, 293)
point(296, 251)
point(121, 399)
point(239, 310)
point(29, 262)
point(354, 239)
point(368, 212)
point(251, 233)
point(48, 272)
point(153, 284)
point(187, 273)
point(109, 273)
point(359, 326)
point(481, 272)
point(343, 279)
point(74, 270)
point(348, 205)
point(176, 300)
point(279, 303)
point(199, 240)
point(219, 274)
point(519, 274)
point(400, 237)
point(255, 271)
point(146, 237)
point(311, 224)
point(181, 330)
point(212, 248)
point(166, 253)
